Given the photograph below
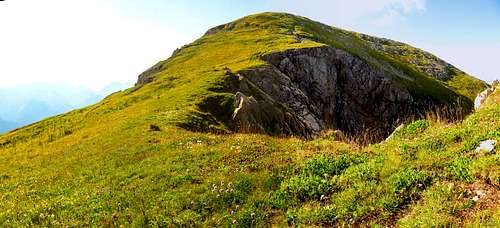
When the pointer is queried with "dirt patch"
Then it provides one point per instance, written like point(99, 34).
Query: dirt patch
point(485, 196)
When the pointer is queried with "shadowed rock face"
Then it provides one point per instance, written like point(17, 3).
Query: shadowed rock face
point(147, 76)
point(307, 91)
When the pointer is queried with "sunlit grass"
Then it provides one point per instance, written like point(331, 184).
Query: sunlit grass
point(106, 164)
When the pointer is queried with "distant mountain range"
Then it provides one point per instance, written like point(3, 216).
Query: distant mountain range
point(26, 104)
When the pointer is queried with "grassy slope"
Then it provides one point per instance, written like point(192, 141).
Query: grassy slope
point(104, 165)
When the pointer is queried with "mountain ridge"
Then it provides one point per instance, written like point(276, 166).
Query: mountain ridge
point(304, 33)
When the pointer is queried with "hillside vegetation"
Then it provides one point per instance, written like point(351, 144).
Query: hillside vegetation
point(128, 160)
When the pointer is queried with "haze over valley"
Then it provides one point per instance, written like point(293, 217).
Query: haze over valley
point(26, 104)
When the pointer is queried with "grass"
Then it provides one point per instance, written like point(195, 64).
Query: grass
point(174, 177)
point(125, 161)
point(427, 63)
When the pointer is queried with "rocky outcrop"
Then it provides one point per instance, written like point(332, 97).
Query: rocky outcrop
point(481, 97)
point(266, 115)
point(147, 76)
point(308, 91)
point(424, 61)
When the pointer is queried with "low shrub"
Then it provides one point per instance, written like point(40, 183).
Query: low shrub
point(460, 169)
point(408, 183)
point(316, 180)
point(439, 205)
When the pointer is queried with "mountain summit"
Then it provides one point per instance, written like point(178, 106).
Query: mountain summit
point(282, 74)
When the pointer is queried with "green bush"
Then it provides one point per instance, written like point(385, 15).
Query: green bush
point(316, 179)
point(357, 174)
point(460, 168)
point(309, 187)
point(408, 183)
point(282, 199)
point(413, 128)
point(418, 126)
point(322, 165)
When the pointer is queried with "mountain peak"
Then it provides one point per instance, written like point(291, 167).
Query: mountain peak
point(260, 20)
point(293, 76)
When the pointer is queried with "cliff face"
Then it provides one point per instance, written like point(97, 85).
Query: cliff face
point(307, 91)
point(146, 76)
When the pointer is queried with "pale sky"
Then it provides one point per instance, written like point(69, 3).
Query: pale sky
point(95, 42)
point(80, 42)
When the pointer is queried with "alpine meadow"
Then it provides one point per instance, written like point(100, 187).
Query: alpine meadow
point(272, 120)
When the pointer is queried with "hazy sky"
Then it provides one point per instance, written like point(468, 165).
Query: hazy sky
point(96, 42)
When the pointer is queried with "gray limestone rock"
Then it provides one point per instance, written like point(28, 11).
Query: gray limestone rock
point(308, 91)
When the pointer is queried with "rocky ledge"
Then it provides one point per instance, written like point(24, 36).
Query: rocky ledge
point(318, 89)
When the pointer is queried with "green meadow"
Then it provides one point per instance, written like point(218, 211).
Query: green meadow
point(128, 161)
